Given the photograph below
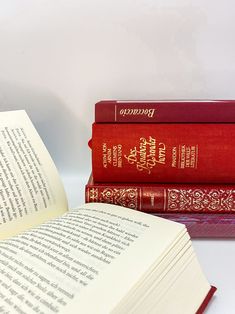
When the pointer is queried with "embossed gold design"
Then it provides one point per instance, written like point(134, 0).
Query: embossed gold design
point(199, 200)
point(93, 195)
point(119, 196)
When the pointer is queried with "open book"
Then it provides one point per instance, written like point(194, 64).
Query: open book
point(97, 258)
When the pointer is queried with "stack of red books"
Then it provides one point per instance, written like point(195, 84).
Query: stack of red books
point(173, 159)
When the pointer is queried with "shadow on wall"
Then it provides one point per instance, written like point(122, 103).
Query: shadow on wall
point(61, 131)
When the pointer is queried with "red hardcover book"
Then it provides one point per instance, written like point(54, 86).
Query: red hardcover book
point(164, 198)
point(183, 153)
point(205, 225)
point(214, 111)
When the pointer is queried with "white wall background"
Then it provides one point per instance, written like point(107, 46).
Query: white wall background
point(58, 57)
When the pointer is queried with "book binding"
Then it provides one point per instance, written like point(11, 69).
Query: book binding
point(163, 153)
point(183, 111)
point(171, 198)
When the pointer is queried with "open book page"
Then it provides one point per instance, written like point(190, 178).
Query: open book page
point(70, 264)
point(30, 188)
point(145, 241)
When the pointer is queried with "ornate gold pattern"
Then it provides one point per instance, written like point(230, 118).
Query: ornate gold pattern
point(119, 196)
point(199, 200)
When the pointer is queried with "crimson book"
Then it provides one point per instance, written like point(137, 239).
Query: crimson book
point(204, 225)
point(215, 111)
point(164, 198)
point(166, 153)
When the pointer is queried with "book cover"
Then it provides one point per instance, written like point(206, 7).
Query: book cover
point(174, 198)
point(205, 225)
point(167, 153)
point(206, 300)
point(214, 111)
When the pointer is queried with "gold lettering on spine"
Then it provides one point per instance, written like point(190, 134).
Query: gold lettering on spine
point(117, 155)
point(148, 155)
point(151, 113)
point(112, 156)
point(104, 152)
point(137, 112)
point(174, 157)
point(161, 153)
point(185, 156)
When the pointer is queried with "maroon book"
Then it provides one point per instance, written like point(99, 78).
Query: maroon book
point(205, 225)
point(179, 153)
point(164, 198)
point(190, 111)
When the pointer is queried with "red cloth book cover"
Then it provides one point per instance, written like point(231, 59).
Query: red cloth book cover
point(173, 198)
point(183, 153)
point(207, 299)
point(114, 111)
point(205, 225)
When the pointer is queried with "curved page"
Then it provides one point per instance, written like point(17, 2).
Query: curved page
point(31, 191)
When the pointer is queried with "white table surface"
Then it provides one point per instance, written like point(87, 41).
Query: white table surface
point(217, 257)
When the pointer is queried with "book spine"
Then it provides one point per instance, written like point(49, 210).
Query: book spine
point(217, 111)
point(163, 153)
point(165, 198)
